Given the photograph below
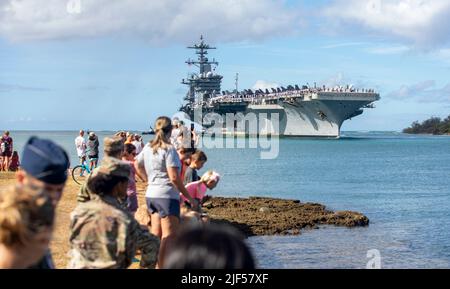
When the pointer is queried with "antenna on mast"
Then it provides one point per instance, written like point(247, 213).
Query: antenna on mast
point(205, 82)
point(201, 50)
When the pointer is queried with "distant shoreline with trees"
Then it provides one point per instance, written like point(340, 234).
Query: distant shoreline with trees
point(433, 125)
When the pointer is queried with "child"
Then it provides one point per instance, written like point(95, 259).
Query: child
point(197, 190)
point(15, 163)
point(197, 162)
point(184, 154)
point(128, 156)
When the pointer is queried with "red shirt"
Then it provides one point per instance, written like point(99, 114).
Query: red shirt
point(183, 170)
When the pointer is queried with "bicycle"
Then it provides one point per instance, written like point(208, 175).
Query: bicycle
point(78, 171)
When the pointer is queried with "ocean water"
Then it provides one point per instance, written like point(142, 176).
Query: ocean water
point(401, 182)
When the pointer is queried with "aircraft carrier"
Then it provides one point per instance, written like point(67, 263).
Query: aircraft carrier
point(302, 111)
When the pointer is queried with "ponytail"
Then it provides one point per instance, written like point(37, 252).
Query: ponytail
point(163, 127)
point(12, 230)
point(23, 212)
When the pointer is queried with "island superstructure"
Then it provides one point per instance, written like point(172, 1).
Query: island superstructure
point(302, 111)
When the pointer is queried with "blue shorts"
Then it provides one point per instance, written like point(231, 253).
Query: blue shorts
point(164, 207)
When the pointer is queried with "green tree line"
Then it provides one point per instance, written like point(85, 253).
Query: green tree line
point(434, 125)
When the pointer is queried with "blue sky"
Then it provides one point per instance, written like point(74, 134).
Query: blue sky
point(119, 66)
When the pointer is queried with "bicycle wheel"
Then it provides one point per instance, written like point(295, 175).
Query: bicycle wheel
point(79, 174)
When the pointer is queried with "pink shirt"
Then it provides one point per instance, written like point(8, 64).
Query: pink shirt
point(196, 190)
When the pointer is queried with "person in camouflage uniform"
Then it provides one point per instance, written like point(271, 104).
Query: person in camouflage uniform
point(103, 234)
point(113, 150)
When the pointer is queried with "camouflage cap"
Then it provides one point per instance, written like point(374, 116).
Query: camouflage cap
point(113, 146)
point(114, 167)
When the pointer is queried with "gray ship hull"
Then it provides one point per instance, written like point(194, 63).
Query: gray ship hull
point(317, 115)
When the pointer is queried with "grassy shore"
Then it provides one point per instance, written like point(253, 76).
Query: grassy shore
point(253, 216)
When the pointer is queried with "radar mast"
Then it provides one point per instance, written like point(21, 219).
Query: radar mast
point(205, 83)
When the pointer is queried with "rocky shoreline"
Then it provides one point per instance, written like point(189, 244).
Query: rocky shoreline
point(267, 216)
point(257, 216)
point(253, 216)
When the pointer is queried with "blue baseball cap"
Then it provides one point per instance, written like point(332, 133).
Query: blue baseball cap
point(45, 160)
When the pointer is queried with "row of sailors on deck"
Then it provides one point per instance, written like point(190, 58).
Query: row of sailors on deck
point(249, 94)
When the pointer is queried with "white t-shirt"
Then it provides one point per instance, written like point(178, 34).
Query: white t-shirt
point(80, 144)
point(174, 135)
point(138, 146)
point(155, 165)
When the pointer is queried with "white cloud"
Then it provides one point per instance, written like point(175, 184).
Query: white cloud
point(443, 55)
point(425, 92)
point(389, 50)
point(20, 119)
point(410, 91)
point(336, 80)
point(424, 23)
point(15, 87)
point(262, 84)
point(344, 44)
point(340, 79)
point(155, 21)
